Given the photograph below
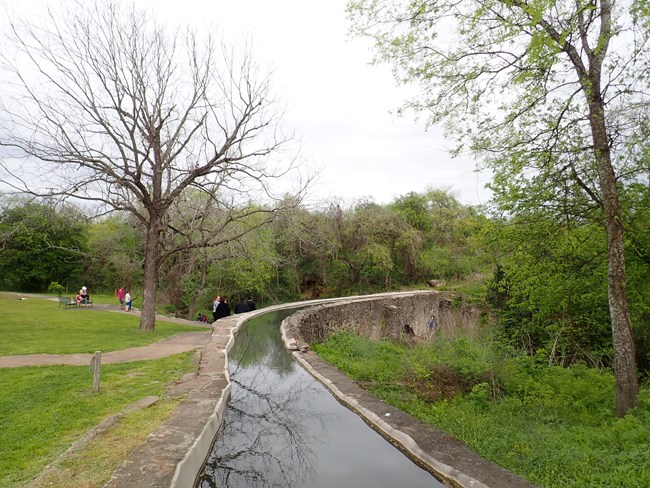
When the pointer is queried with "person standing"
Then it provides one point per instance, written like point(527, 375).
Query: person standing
point(224, 309)
point(251, 304)
point(127, 300)
point(120, 296)
point(215, 306)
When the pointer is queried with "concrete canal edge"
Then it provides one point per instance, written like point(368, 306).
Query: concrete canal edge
point(172, 456)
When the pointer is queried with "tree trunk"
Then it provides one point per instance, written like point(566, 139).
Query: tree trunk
point(149, 290)
point(627, 386)
point(196, 293)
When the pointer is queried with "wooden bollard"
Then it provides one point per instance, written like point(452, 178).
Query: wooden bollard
point(95, 366)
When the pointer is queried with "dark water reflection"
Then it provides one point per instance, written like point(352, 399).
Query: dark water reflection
point(284, 429)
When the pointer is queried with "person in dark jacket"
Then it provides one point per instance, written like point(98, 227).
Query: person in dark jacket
point(241, 306)
point(215, 306)
point(223, 310)
point(251, 304)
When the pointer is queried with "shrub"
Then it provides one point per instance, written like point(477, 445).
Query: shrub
point(56, 287)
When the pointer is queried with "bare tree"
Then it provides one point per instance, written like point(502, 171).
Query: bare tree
point(112, 108)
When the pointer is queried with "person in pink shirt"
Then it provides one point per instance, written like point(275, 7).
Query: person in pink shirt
point(120, 296)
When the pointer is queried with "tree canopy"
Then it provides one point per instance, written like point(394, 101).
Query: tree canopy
point(41, 245)
point(549, 95)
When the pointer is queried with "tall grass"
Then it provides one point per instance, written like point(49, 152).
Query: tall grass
point(555, 427)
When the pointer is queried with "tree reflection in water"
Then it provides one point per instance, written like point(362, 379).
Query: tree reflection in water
point(265, 424)
point(283, 429)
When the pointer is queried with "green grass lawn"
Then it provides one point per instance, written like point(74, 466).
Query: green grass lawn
point(38, 326)
point(43, 410)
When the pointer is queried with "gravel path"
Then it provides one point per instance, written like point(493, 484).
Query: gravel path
point(175, 344)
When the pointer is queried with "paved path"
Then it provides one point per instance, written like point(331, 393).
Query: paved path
point(175, 344)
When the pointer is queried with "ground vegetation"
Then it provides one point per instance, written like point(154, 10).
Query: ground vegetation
point(555, 426)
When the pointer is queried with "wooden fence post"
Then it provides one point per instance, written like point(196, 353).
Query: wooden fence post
point(95, 366)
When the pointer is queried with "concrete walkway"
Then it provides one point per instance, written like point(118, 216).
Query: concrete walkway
point(175, 344)
point(169, 346)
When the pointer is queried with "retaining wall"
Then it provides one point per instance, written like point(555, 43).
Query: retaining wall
point(418, 315)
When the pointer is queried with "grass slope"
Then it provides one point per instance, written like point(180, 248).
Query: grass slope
point(556, 427)
point(43, 410)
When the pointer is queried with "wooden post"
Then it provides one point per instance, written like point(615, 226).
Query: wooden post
point(95, 366)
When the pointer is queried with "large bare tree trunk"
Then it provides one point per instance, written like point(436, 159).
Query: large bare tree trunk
point(149, 289)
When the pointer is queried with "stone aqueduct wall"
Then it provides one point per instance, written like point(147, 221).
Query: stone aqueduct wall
point(420, 315)
point(173, 455)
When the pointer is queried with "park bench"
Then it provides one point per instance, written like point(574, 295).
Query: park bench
point(67, 302)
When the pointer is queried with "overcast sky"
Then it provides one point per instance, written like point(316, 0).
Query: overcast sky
point(337, 102)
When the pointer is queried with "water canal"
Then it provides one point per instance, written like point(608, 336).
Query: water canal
point(283, 429)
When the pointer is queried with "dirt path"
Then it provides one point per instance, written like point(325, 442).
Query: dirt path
point(175, 344)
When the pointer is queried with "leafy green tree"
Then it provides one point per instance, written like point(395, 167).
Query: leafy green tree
point(549, 94)
point(40, 245)
point(448, 231)
point(415, 209)
point(307, 246)
point(373, 238)
point(246, 267)
point(550, 289)
point(56, 287)
point(550, 286)
point(253, 268)
point(116, 253)
point(376, 265)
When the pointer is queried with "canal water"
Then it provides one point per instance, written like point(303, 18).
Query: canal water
point(283, 429)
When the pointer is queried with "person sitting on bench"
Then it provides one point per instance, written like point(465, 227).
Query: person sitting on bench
point(85, 297)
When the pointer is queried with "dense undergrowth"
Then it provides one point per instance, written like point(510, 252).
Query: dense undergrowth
point(553, 426)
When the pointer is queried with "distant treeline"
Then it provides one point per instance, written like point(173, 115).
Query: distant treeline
point(539, 274)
